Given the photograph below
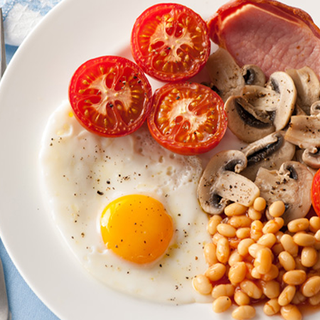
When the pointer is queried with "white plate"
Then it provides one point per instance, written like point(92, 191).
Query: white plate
point(34, 84)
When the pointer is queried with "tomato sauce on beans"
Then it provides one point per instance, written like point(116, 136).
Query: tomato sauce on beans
point(261, 261)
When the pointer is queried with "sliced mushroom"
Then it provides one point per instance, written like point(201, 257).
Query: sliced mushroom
point(227, 78)
point(262, 110)
point(245, 122)
point(253, 75)
point(304, 131)
point(269, 152)
point(307, 85)
point(278, 98)
point(311, 157)
point(291, 184)
point(222, 184)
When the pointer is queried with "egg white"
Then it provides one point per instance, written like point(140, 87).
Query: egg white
point(82, 173)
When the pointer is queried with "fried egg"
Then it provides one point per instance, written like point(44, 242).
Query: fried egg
point(126, 207)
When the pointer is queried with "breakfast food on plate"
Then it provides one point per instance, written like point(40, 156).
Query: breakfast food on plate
point(92, 185)
point(170, 42)
point(187, 118)
point(283, 36)
point(252, 260)
point(110, 96)
point(134, 181)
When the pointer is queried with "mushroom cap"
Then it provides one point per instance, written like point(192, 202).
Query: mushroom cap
point(277, 97)
point(253, 75)
point(304, 131)
point(291, 184)
point(227, 78)
point(221, 182)
point(311, 157)
point(225, 75)
point(269, 152)
point(245, 122)
point(262, 110)
point(307, 85)
point(282, 83)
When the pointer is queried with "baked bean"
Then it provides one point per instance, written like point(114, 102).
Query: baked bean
point(271, 289)
point(241, 298)
point(299, 265)
point(240, 221)
point(271, 307)
point(243, 247)
point(222, 290)
point(249, 269)
point(287, 261)
point(298, 298)
point(297, 225)
point(315, 300)
point(316, 266)
point(216, 237)
point(213, 223)
point(314, 224)
point(234, 242)
point(234, 257)
point(295, 277)
point(251, 289)
point(272, 274)
point(311, 287)
point(309, 257)
point(317, 235)
point(223, 250)
point(277, 209)
point(237, 272)
point(273, 226)
point(254, 214)
point(290, 312)
point(263, 261)
point(221, 304)
point(289, 245)
point(243, 233)
point(244, 312)
point(317, 245)
point(277, 249)
point(278, 235)
point(235, 209)
point(303, 239)
point(226, 230)
point(287, 295)
point(216, 271)
point(256, 230)
point(267, 240)
point(255, 274)
point(254, 248)
point(259, 204)
point(210, 253)
point(202, 284)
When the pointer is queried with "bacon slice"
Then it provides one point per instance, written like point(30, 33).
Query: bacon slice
point(269, 34)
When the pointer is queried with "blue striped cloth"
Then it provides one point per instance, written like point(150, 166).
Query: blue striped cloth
point(21, 16)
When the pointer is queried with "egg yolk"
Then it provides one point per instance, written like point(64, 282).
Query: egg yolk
point(137, 228)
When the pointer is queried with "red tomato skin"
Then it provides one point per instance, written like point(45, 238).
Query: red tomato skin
point(87, 72)
point(143, 57)
point(315, 193)
point(214, 109)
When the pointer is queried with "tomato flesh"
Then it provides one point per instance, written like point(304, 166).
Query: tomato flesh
point(110, 96)
point(315, 193)
point(187, 118)
point(170, 42)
